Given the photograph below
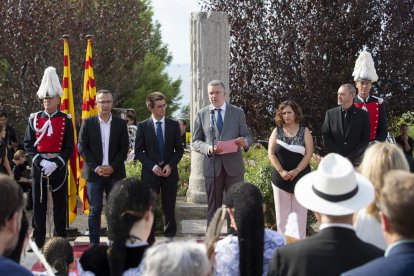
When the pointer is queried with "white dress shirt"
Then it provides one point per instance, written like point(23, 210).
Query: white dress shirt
point(105, 134)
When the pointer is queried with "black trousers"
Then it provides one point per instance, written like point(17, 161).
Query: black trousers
point(168, 190)
point(59, 186)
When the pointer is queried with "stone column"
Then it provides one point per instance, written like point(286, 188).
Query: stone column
point(210, 37)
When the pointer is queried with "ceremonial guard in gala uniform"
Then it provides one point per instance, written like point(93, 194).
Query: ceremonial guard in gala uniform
point(364, 75)
point(49, 141)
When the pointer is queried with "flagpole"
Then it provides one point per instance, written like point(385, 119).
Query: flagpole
point(67, 106)
point(65, 37)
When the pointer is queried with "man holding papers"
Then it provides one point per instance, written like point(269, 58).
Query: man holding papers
point(217, 127)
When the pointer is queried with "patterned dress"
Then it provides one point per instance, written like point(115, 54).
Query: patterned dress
point(289, 151)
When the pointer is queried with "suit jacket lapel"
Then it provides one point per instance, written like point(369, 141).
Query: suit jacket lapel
point(154, 135)
point(99, 136)
point(112, 132)
point(227, 118)
point(341, 123)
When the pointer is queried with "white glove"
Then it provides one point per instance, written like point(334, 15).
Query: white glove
point(45, 163)
point(50, 168)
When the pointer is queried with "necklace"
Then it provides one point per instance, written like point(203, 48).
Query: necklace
point(292, 131)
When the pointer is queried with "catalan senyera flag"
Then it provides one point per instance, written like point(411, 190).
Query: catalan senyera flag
point(67, 106)
point(88, 109)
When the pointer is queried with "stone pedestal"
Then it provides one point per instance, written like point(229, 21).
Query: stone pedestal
point(210, 37)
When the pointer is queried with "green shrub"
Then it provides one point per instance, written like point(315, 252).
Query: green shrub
point(258, 172)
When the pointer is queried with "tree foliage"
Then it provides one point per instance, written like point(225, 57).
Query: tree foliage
point(305, 49)
point(124, 38)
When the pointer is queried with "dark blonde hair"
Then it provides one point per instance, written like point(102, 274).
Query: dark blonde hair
point(379, 159)
point(152, 97)
point(19, 154)
point(296, 108)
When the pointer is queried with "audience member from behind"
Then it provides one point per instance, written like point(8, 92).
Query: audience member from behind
point(250, 251)
point(59, 255)
point(130, 214)
point(23, 240)
point(334, 192)
point(176, 258)
point(397, 208)
point(11, 211)
point(290, 149)
point(379, 159)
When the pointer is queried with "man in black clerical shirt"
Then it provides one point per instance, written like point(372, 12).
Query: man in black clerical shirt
point(346, 128)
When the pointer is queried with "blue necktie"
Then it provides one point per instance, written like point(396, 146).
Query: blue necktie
point(219, 120)
point(160, 139)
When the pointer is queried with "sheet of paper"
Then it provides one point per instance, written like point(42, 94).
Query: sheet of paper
point(228, 146)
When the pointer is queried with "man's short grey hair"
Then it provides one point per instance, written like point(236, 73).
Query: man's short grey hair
point(349, 87)
point(176, 258)
point(216, 82)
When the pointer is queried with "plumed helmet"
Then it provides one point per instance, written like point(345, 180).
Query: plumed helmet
point(364, 68)
point(50, 86)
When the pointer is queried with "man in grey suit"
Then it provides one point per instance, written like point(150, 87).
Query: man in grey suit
point(220, 121)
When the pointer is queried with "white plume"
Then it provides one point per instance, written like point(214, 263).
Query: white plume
point(364, 68)
point(50, 85)
point(291, 228)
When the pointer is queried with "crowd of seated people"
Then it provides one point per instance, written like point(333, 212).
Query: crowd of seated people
point(349, 203)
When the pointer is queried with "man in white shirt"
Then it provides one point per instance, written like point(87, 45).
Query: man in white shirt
point(103, 144)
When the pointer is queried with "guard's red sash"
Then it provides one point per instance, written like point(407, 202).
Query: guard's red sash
point(52, 143)
point(373, 110)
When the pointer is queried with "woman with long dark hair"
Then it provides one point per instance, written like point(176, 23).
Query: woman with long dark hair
point(249, 252)
point(130, 214)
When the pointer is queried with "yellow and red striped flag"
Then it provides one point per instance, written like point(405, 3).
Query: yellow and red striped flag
point(88, 109)
point(67, 106)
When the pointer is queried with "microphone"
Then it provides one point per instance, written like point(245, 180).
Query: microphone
point(212, 119)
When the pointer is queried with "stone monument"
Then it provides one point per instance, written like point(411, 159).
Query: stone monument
point(210, 38)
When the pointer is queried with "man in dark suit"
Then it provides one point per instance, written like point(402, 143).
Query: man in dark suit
point(220, 121)
point(158, 147)
point(103, 144)
point(397, 207)
point(334, 192)
point(346, 128)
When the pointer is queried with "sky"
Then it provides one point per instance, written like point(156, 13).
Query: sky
point(174, 17)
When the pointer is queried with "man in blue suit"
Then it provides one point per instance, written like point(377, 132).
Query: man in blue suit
point(397, 207)
point(159, 148)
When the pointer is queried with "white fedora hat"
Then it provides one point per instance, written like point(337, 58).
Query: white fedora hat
point(334, 188)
